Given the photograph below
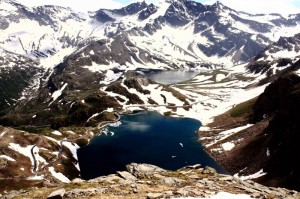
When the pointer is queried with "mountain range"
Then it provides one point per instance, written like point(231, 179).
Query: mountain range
point(63, 69)
point(171, 34)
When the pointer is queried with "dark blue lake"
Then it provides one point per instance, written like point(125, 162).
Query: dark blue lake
point(144, 137)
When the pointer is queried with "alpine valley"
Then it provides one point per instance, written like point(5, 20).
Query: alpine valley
point(65, 75)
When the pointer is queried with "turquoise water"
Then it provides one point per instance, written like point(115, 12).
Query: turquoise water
point(144, 137)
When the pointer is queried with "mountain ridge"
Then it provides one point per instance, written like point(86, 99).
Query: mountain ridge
point(164, 13)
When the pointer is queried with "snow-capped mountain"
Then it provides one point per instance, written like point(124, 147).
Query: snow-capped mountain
point(169, 34)
point(177, 31)
point(287, 47)
point(278, 56)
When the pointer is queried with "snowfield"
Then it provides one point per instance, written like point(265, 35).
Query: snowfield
point(208, 98)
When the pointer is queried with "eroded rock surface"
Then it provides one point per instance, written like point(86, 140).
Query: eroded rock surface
point(148, 181)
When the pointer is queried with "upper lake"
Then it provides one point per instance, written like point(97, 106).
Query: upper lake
point(144, 137)
point(171, 76)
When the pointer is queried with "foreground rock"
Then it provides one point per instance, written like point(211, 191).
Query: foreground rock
point(148, 181)
point(57, 194)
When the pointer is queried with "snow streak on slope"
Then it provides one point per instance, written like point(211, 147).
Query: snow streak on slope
point(49, 32)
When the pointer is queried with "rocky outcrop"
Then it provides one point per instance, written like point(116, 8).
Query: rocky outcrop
point(275, 96)
point(57, 194)
point(148, 181)
point(282, 132)
point(150, 10)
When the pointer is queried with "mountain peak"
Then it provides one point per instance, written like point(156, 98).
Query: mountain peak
point(131, 8)
point(218, 7)
point(218, 4)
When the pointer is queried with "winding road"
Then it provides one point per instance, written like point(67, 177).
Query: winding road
point(59, 155)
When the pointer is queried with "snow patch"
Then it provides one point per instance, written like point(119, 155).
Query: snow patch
point(253, 176)
point(26, 151)
point(2, 134)
point(73, 149)
point(94, 115)
point(220, 77)
point(225, 134)
point(8, 158)
point(57, 133)
point(59, 175)
point(228, 146)
point(41, 177)
point(268, 152)
point(111, 76)
point(58, 93)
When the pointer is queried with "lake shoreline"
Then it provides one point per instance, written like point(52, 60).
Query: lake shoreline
point(160, 143)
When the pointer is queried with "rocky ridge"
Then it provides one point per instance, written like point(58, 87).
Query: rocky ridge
point(277, 57)
point(148, 181)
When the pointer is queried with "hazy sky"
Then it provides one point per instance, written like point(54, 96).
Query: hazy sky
point(250, 6)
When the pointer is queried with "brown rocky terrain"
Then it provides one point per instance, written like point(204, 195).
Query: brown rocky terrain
point(148, 181)
point(29, 160)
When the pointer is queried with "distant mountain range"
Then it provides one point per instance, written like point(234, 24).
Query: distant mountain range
point(191, 31)
point(170, 34)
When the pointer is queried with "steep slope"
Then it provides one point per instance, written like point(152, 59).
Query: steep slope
point(16, 76)
point(266, 148)
point(282, 131)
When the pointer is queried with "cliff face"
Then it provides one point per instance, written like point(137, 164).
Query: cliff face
point(276, 97)
point(281, 101)
point(148, 181)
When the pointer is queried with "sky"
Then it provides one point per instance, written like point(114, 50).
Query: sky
point(251, 6)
